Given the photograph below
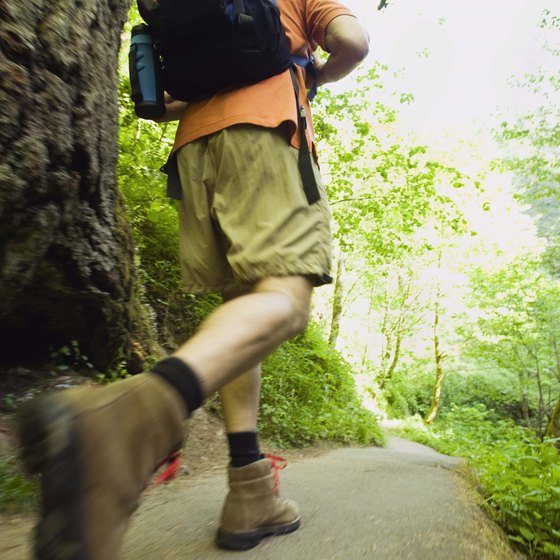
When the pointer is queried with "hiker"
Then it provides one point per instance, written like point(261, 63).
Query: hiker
point(254, 227)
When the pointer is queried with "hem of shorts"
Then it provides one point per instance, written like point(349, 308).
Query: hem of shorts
point(317, 279)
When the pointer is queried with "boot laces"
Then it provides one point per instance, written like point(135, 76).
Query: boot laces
point(278, 464)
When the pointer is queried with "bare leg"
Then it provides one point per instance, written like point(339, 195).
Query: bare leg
point(241, 332)
point(240, 397)
point(240, 401)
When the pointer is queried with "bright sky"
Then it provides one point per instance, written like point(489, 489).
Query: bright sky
point(473, 48)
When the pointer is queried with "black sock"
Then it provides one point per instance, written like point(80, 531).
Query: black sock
point(243, 448)
point(183, 379)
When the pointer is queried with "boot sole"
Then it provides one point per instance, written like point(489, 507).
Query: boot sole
point(51, 450)
point(245, 541)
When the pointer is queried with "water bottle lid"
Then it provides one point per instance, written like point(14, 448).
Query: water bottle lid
point(140, 29)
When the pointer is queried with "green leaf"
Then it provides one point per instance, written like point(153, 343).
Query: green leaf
point(527, 533)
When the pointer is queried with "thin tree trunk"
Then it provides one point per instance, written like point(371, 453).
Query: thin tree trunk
point(438, 355)
point(386, 336)
point(541, 413)
point(524, 401)
point(337, 300)
point(366, 349)
point(542, 409)
point(440, 373)
point(66, 252)
point(553, 430)
point(399, 328)
point(556, 357)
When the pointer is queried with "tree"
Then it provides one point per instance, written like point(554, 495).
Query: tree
point(439, 355)
point(518, 331)
point(66, 252)
point(382, 189)
point(533, 140)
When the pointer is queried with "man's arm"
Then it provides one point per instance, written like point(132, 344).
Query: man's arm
point(173, 109)
point(348, 44)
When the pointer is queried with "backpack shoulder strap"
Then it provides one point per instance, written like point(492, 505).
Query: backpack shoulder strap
point(308, 179)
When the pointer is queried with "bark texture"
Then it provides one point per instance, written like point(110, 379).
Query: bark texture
point(66, 252)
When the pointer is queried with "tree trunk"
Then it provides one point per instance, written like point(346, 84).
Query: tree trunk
point(440, 375)
point(394, 340)
point(553, 430)
point(337, 301)
point(438, 355)
point(524, 404)
point(66, 252)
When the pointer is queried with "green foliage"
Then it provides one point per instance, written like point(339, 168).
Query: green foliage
point(118, 371)
point(532, 142)
point(519, 475)
point(409, 391)
point(17, 492)
point(69, 356)
point(144, 147)
point(381, 188)
point(308, 394)
point(517, 332)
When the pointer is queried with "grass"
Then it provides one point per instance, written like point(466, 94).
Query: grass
point(17, 492)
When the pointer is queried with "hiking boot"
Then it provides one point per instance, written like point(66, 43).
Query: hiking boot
point(253, 508)
point(95, 449)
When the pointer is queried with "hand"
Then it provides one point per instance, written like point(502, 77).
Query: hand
point(309, 79)
point(173, 109)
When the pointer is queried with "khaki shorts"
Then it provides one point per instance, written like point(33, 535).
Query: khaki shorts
point(244, 215)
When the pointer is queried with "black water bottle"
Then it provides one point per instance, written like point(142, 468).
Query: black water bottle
point(145, 74)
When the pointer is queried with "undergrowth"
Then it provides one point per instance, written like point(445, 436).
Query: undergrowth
point(17, 491)
point(308, 394)
point(519, 475)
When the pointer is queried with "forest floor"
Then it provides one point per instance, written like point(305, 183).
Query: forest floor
point(402, 502)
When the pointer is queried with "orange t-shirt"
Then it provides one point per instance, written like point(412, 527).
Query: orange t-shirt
point(272, 101)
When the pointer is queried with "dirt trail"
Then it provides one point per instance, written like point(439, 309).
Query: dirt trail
point(402, 502)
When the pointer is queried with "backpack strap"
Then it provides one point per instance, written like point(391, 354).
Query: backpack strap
point(309, 67)
point(310, 187)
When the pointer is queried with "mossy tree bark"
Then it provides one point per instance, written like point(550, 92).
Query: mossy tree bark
point(66, 252)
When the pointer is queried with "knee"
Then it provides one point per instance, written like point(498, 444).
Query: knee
point(293, 297)
point(299, 317)
point(291, 316)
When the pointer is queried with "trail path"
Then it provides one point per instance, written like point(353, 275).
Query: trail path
point(402, 502)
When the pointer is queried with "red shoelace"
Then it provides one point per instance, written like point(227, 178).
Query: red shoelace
point(173, 462)
point(278, 463)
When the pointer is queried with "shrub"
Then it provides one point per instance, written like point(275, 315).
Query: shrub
point(309, 394)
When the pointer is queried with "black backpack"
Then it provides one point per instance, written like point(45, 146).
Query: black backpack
point(211, 46)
